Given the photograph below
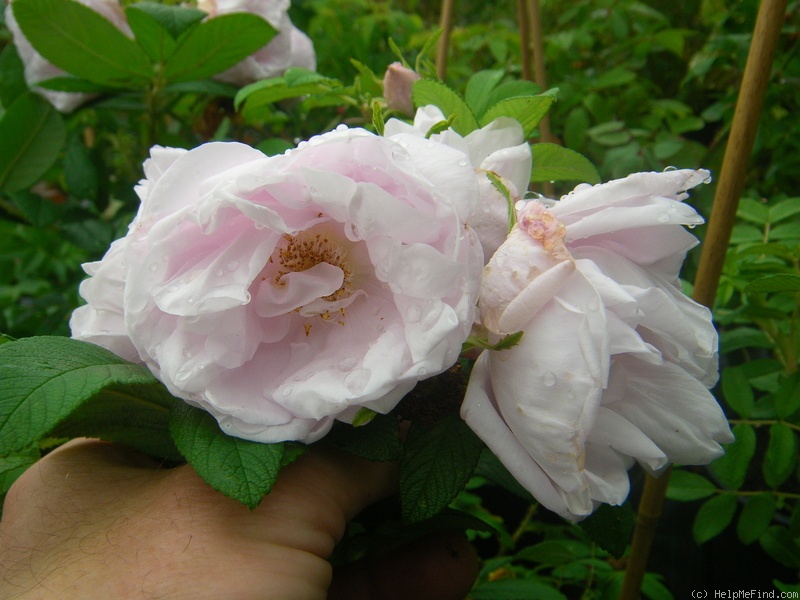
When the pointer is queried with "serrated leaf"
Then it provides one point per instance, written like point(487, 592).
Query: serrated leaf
point(174, 19)
point(782, 282)
point(610, 527)
point(134, 415)
point(787, 398)
point(240, 469)
point(737, 391)
point(527, 110)
point(216, 45)
point(436, 466)
point(784, 209)
point(713, 517)
point(479, 89)
point(14, 465)
point(753, 211)
point(32, 132)
point(430, 91)
point(781, 456)
point(685, 486)
point(12, 76)
point(377, 440)
point(781, 546)
point(549, 552)
point(43, 380)
point(731, 469)
point(82, 42)
point(552, 162)
point(515, 589)
point(150, 34)
point(756, 517)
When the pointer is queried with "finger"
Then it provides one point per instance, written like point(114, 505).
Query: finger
point(440, 566)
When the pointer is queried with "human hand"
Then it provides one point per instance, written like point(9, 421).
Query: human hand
point(97, 520)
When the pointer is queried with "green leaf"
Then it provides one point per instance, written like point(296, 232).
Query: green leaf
point(80, 171)
point(784, 209)
point(14, 465)
point(515, 589)
point(787, 398)
point(781, 456)
point(73, 85)
point(32, 133)
point(552, 162)
point(686, 486)
point(737, 391)
point(39, 211)
point(436, 466)
point(207, 86)
point(753, 211)
point(377, 440)
point(781, 546)
point(479, 89)
point(240, 469)
point(713, 517)
point(653, 588)
point(785, 231)
point(613, 78)
point(43, 380)
point(490, 467)
point(610, 527)
point(512, 89)
point(273, 146)
point(217, 44)
point(269, 91)
point(378, 121)
point(756, 517)
point(440, 126)
point(82, 42)
point(782, 282)
point(528, 110)
point(549, 553)
point(12, 76)
point(150, 34)
point(174, 19)
point(430, 91)
point(731, 469)
point(133, 415)
point(743, 337)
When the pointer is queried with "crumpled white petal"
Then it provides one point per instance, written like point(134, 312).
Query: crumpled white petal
point(283, 293)
point(614, 364)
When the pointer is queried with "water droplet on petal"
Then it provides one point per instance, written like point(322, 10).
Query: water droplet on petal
point(356, 380)
point(232, 265)
point(422, 371)
point(218, 272)
point(287, 390)
point(670, 168)
point(347, 364)
point(549, 379)
point(153, 266)
point(462, 163)
point(186, 353)
point(663, 217)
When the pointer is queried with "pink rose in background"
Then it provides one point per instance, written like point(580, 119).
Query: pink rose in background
point(615, 361)
point(289, 48)
point(499, 148)
point(281, 293)
point(37, 68)
point(398, 84)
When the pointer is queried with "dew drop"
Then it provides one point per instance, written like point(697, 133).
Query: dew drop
point(670, 168)
point(347, 364)
point(549, 379)
point(227, 425)
point(153, 266)
point(287, 390)
point(356, 380)
point(663, 217)
point(232, 265)
point(219, 272)
point(186, 353)
point(422, 371)
point(172, 289)
point(462, 163)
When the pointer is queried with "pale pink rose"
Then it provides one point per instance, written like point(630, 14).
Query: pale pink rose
point(499, 148)
point(615, 361)
point(281, 293)
point(398, 83)
point(37, 68)
point(289, 48)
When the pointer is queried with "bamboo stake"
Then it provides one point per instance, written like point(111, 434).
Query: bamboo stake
point(723, 214)
point(446, 24)
point(525, 48)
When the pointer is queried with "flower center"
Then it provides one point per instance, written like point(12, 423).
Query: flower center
point(306, 250)
point(540, 224)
